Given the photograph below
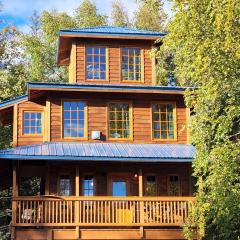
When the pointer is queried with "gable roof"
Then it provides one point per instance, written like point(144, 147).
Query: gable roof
point(79, 151)
point(11, 102)
point(112, 31)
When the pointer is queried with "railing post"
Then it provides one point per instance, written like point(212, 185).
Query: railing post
point(140, 190)
point(76, 212)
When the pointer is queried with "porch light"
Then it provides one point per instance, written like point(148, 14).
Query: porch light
point(135, 175)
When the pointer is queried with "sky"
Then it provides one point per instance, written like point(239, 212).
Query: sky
point(18, 12)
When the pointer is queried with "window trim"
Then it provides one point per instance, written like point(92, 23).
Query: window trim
point(179, 184)
point(175, 137)
point(33, 134)
point(58, 183)
point(145, 183)
point(94, 184)
point(85, 137)
point(130, 121)
point(107, 63)
point(142, 79)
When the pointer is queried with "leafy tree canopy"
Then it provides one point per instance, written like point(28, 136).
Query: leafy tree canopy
point(204, 39)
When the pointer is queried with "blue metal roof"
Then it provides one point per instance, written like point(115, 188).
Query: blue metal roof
point(102, 152)
point(112, 31)
point(110, 87)
point(10, 102)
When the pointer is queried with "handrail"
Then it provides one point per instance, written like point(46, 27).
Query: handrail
point(101, 211)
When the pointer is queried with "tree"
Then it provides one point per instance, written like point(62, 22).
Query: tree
point(120, 15)
point(150, 15)
point(204, 37)
point(87, 15)
point(40, 46)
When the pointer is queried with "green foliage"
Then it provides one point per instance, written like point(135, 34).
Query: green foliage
point(120, 15)
point(204, 37)
point(87, 15)
point(150, 15)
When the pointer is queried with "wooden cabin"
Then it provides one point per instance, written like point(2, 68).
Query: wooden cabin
point(108, 151)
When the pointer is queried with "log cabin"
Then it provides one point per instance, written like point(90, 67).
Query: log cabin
point(109, 150)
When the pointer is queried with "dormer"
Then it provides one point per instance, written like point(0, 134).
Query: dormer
point(108, 55)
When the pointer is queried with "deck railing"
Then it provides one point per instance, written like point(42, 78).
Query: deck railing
point(101, 211)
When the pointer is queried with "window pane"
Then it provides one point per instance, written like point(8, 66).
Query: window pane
point(174, 186)
point(131, 60)
point(119, 123)
point(163, 124)
point(64, 185)
point(73, 122)
point(96, 59)
point(32, 123)
point(119, 189)
point(151, 186)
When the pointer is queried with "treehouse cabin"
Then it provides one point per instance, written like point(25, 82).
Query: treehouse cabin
point(107, 154)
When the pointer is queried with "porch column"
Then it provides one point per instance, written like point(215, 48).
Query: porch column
point(76, 215)
point(15, 193)
point(140, 193)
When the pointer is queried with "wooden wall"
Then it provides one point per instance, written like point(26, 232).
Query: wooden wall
point(97, 116)
point(103, 173)
point(114, 61)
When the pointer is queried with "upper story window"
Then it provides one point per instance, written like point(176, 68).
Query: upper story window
point(119, 120)
point(64, 185)
point(163, 121)
point(96, 63)
point(88, 185)
point(74, 119)
point(131, 64)
point(32, 123)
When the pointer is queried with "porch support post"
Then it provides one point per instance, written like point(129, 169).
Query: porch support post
point(47, 192)
point(77, 203)
point(140, 192)
point(15, 193)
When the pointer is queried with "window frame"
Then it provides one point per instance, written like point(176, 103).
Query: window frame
point(179, 184)
point(70, 184)
point(142, 77)
point(42, 125)
point(85, 137)
point(174, 139)
point(94, 184)
point(145, 183)
point(130, 120)
point(107, 62)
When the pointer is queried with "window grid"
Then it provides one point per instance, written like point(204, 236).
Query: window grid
point(64, 185)
point(119, 120)
point(174, 185)
point(88, 185)
point(131, 64)
point(74, 119)
point(96, 63)
point(32, 123)
point(163, 121)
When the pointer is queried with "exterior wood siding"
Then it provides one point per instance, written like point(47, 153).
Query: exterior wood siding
point(114, 61)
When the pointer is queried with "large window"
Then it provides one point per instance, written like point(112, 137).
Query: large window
point(119, 120)
point(88, 185)
point(64, 185)
point(163, 121)
point(131, 64)
point(32, 123)
point(151, 186)
point(96, 63)
point(173, 185)
point(73, 119)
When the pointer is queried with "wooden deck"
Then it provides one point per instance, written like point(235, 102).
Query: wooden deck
point(50, 211)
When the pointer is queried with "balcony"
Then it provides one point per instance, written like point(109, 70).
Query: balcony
point(54, 211)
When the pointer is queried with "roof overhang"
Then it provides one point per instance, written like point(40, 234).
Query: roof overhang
point(38, 89)
point(66, 37)
point(120, 152)
point(10, 103)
